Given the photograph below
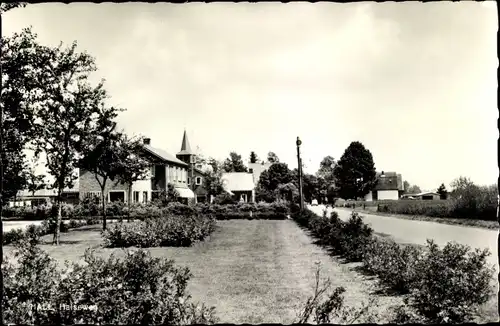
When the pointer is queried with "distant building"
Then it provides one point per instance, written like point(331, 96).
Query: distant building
point(389, 186)
point(44, 197)
point(256, 169)
point(429, 195)
point(240, 185)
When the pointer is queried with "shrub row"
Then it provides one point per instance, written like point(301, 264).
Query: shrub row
point(35, 231)
point(443, 285)
point(138, 289)
point(141, 211)
point(169, 230)
point(263, 211)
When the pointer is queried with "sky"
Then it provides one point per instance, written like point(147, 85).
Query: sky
point(414, 82)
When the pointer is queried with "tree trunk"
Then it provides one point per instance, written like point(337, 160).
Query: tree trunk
point(103, 198)
point(128, 201)
point(57, 230)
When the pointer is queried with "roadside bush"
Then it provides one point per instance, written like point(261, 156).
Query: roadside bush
point(138, 289)
point(355, 236)
point(172, 230)
point(392, 263)
point(452, 283)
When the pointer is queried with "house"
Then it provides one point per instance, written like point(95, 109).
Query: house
point(44, 196)
point(389, 186)
point(256, 169)
point(240, 184)
point(428, 195)
point(179, 170)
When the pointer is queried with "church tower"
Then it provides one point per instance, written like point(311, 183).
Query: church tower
point(187, 156)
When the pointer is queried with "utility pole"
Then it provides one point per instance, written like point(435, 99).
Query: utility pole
point(299, 160)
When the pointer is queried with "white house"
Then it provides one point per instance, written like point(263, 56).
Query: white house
point(389, 186)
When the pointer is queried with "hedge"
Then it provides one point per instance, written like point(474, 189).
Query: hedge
point(442, 285)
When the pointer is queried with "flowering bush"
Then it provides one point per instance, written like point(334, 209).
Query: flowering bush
point(138, 289)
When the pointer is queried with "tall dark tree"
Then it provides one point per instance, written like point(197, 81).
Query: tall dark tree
point(66, 114)
point(355, 172)
point(253, 157)
point(234, 163)
point(100, 153)
point(443, 193)
point(272, 157)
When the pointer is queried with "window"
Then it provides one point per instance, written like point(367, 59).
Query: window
point(250, 170)
point(198, 181)
point(144, 196)
point(189, 180)
point(117, 196)
point(136, 196)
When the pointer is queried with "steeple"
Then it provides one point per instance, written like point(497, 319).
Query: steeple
point(185, 147)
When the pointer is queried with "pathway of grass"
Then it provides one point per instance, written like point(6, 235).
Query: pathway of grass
point(251, 271)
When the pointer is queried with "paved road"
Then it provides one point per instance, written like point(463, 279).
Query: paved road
point(411, 231)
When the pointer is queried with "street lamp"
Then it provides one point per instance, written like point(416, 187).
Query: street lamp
point(299, 161)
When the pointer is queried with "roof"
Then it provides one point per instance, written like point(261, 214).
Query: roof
point(426, 193)
point(185, 147)
point(238, 181)
point(389, 181)
point(163, 155)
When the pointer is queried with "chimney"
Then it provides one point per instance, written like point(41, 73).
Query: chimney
point(147, 141)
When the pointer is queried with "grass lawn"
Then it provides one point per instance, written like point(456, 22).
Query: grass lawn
point(251, 271)
point(490, 225)
point(257, 271)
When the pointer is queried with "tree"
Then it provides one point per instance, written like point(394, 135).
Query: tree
point(326, 177)
point(278, 174)
point(414, 189)
point(442, 191)
point(19, 98)
point(406, 186)
point(100, 153)
point(35, 182)
point(132, 166)
point(6, 6)
point(288, 191)
point(66, 114)
point(234, 163)
point(272, 157)
point(213, 175)
point(355, 172)
point(253, 157)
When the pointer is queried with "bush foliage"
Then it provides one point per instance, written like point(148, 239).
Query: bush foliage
point(169, 230)
point(443, 285)
point(138, 289)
